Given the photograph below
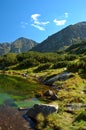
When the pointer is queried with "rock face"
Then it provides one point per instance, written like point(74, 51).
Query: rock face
point(41, 108)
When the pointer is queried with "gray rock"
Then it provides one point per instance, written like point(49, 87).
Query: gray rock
point(45, 109)
point(48, 93)
point(60, 77)
point(54, 97)
point(84, 128)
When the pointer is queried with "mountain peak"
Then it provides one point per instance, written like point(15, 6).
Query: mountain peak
point(70, 35)
point(18, 46)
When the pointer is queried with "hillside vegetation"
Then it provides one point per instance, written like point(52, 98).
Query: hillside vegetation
point(73, 58)
point(52, 72)
point(28, 75)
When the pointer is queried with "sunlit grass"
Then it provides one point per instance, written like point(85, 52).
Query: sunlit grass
point(19, 88)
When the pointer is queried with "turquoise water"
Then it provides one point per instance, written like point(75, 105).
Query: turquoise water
point(29, 102)
point(7, 99)
point(4, 97)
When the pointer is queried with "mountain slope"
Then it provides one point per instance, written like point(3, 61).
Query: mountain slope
point(18, 46)
point(68, 36)
point(77, 48)
point(4, 48)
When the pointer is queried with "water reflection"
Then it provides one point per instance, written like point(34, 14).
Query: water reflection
point(6, 99)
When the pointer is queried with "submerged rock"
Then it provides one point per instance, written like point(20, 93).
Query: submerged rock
point(11, 119)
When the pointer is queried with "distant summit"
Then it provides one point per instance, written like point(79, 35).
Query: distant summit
point(4, 48)
point(64, 38)
point(22, 45)
point(18, 46)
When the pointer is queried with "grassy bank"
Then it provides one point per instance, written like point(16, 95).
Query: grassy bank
point(21, 90)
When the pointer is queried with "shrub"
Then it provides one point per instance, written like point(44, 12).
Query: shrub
point(70, 57)
point(43, 67)
point(27, 63)
point(60, 64)
point(78, 66)
point(81, 116)
point(40, 121)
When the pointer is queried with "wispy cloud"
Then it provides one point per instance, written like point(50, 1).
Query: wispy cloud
point(66, 15)
point(38, 27)
point(35, 17)
point(24, 24)
point(59, 22)
point(38, 24)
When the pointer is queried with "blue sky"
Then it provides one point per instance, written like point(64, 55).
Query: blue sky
point(38, 19)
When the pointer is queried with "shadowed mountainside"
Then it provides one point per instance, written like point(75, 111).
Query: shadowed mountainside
point(79, 48)
point(64, 38)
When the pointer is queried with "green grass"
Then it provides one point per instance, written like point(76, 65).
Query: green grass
point(24, 89)
point(29, 102)
point(19, 88)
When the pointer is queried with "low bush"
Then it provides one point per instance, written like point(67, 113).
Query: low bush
point(60, 64)
point(81, 116)
point(42, 67)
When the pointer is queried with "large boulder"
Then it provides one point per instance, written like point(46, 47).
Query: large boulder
point(45, 109)
point(51, 95)
point(54, 97)
point(60, 77)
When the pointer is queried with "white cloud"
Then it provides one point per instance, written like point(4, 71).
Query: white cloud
point(44, 23)
point(62, 20)
point(24, 24)
point(38, 27)
point(38, 24)
point(66, 15)
point(59, 22)
point(35, 17)
point(41, 23)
